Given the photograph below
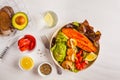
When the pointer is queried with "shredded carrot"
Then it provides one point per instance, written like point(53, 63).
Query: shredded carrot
point(82, 41)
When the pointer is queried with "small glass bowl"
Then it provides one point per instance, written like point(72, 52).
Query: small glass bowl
point(49, 19)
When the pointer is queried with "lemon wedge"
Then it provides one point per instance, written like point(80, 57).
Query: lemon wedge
point(91, 56)
point(49, 19)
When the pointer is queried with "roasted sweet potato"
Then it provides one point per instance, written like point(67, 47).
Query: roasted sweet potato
point(82, 41)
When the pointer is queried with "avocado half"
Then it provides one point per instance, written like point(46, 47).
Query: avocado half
point(20, 20)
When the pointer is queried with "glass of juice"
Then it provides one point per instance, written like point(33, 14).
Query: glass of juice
point(26, 63)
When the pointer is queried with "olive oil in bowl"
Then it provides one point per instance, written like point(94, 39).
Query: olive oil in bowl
point(26, 63)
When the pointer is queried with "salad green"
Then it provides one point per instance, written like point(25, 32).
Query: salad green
point(59, 49)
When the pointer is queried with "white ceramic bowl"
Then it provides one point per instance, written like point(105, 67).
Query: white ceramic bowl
point(54, 35)
point(21, 66)
point(40, 73)
point(26, 51)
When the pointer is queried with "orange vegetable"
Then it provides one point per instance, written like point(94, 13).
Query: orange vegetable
point(82, 41)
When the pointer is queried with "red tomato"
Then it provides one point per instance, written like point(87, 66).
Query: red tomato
point(24, 48)
point(23, 42)
point(76, 61)
point(20, 41)
point(80, 59)
point(84, 63)
point(28, 42)
point(79, 62)
point(30, 37)
point(32, 45)
point(78, 55)
point(33, 41)
point(78, 66)
point(80, 52)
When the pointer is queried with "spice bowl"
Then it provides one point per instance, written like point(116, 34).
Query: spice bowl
point(44, 69)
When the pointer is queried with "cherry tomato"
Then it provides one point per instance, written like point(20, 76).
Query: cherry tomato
point(80, 59)
point(80, 52)
point(78, 55)
point(76, 61)
point(79, 62)
point(78, 66)
point(83, 64)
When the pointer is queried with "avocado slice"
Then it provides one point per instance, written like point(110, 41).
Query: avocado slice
point(20, 20)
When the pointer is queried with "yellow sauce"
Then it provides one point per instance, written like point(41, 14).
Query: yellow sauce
point(26, 63)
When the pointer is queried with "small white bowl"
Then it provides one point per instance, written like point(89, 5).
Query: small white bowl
point(26, 51)
point(21, 66)
point(39, 71)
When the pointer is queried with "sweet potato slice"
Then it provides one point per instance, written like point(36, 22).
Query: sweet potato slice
point(82, 41)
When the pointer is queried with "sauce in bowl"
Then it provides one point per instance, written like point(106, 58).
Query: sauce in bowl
point(26, 63)
point(44, 69)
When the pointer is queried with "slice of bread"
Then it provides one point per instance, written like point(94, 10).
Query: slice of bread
point(6, 14)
